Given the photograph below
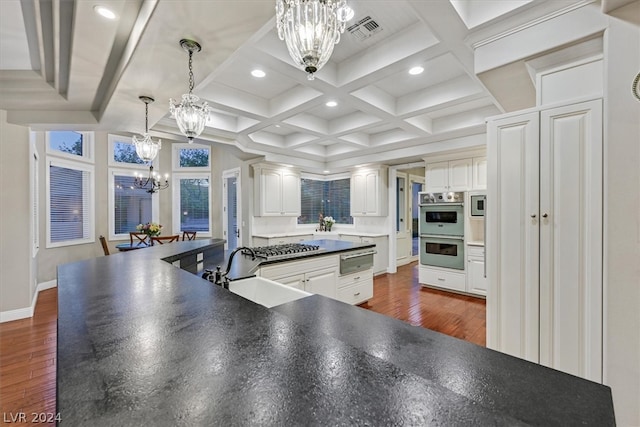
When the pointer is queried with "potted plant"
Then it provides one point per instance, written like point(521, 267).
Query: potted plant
point(151, 229)
point(328, 222)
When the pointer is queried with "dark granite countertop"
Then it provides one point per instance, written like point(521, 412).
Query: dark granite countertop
point(141, 342)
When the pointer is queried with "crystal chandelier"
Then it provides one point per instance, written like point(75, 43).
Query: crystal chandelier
point(190, 116)
point(146, 148)
point(153, 183)
point(310, 29)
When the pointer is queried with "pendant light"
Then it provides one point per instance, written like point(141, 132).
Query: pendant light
point(190, 117)
point(146, 148)
point(311, 28)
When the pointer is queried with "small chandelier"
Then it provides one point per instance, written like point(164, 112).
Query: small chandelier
point(146, 148)
point(153, 183)
point(310, 29)
point(190, 116)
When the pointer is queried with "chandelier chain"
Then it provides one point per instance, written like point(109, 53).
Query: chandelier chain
point(146, 117)
point(190, 71)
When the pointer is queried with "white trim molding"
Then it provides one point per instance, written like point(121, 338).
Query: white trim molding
point(23, 313)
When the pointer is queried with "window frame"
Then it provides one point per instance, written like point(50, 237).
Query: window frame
point(88, 142)
point(175, 157)
point(155, 203)
point(176, 208)
point(333, 177)
point(112, 139)
point(34, 165)
point(76, 165)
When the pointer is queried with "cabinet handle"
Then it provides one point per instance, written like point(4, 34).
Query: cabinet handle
point(533, 215)
point(356, 278)
point(544, 215)
point(356, 294)
point(441, 279)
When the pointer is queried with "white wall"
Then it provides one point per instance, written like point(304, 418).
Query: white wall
point(16, 289)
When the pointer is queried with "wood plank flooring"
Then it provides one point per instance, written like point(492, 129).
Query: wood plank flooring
point(400, 296)
point(28, 346)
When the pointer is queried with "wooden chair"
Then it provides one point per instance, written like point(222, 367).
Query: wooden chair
point(188, 235)
point(103, 242)
point(138, 238)
point(161, 240)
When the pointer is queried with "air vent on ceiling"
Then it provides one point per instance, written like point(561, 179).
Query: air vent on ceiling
point(364, 28)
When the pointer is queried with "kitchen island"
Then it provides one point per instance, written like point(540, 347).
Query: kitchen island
point(143, 342)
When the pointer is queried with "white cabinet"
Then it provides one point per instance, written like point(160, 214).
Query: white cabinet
point(479, 173)
point(452, 175)
point(476, 279)
point(445, 278)
point(277, 191)
point(544, 237)
point(369, 192)
point(381, 257)
point(356, 288)
point(281, 240)
point(318, 275)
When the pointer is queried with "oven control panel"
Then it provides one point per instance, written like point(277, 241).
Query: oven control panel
point(450, 197)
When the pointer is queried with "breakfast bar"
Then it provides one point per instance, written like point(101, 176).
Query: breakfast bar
point(141, 341)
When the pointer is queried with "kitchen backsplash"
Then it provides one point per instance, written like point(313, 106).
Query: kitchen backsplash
point(274, 225)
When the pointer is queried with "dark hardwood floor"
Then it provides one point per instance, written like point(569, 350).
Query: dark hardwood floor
point(400, 296)
point(28, 346)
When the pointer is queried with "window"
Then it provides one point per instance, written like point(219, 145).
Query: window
point(35, 196)
point(128, 205)
point(191, 157)
point(192, 196)
point(70, 203)
point(70, 144)
point(329, 197)
point(122, 152)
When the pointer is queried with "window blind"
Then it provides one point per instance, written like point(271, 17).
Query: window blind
point(331, 198)
point(69, 204)
point(132, 206)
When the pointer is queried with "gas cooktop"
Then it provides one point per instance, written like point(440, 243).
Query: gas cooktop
point(283, 251)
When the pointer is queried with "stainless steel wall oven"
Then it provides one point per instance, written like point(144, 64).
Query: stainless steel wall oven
point(442, 229)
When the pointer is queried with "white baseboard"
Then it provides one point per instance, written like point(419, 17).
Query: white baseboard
point(23, 313)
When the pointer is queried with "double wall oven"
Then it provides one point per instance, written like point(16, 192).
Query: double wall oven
point(442, 229)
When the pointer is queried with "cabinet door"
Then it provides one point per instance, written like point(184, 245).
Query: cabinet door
point(358, 194)
point(479, 173)
point(271, 192)
point(571, 239)
point(371, 193)
point(322, 282)
point(295, 281)
point(513, 235)
point(437, 176)
point(460, 175)
point(290, 194)
point(477, 283)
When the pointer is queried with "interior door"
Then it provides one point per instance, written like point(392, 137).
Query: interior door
point(417, 184)
point(403, 232)
point(231, 208)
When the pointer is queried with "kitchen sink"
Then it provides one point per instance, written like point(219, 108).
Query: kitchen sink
point(265, 292)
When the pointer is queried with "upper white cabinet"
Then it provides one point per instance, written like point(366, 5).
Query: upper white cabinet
point(369, 192)
point(277, 191)
point(479, 173)
point(451, 175)
point(544, 237)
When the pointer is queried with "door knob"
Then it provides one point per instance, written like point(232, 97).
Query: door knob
point(545, 215)
point(533, 215)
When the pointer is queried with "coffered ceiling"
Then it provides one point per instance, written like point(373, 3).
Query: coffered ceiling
point(62, 66)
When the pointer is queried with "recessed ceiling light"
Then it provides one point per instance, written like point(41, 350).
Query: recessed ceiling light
point(331, 104)
point(326, 171)
point(277, 126)
point(416, 70)
point(258, 73)
point(104, 12)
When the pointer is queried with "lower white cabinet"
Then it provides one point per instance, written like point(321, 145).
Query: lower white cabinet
point(356, 288)
point(442, 278)
point(318, 275)
point(476, 277)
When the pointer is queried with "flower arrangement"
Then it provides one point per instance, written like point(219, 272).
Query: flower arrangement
point(151, 229)
point(328, 222)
